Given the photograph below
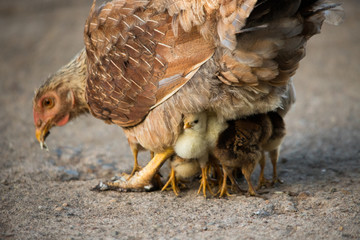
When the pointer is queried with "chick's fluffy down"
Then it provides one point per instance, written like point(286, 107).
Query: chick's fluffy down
point(190, 145)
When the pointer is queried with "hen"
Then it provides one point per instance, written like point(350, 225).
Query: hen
point(146, 63)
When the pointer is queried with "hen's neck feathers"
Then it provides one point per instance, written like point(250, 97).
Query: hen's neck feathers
point(72, 77)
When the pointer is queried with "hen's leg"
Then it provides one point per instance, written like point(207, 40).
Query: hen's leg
point(135, 151)
point(142, 180)
point(263, 182)
point(274, 155)
point(173, 182)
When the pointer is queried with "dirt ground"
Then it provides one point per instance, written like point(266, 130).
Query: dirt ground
point(45, 195)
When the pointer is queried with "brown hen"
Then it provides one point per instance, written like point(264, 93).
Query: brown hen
point(146, 63)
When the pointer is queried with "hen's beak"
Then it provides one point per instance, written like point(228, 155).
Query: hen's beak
point(187, 125)
point(41, 134)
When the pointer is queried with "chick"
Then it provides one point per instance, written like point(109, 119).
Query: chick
point(243, 145)
point(272, 146)
point(238, 147)
point(182, 170)
point(201, 131)
point(192, 144)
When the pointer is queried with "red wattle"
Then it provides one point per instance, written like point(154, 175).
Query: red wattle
point(63, 121)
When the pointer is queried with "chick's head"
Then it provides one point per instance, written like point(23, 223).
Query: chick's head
point(195, 122)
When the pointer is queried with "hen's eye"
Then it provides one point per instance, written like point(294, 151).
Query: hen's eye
point(48, 103)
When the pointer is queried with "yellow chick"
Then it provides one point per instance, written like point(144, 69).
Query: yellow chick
point(201, 131)
point(182, 170)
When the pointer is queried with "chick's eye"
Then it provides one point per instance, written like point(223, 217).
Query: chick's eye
point(196, 121)
point(48, 103)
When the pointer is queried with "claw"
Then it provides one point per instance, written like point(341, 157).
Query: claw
point(100, 187)
point(142, 180)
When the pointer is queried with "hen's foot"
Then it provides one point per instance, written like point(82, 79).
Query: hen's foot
point(144, 180)
point(136, 168)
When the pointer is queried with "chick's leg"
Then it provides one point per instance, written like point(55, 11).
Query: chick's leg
point(274, 155)
point(204, 183)
point(247, 171)
point(141, 180)
point(223, 189)
point(263, 182)
point(216, 171)
point(173, 182)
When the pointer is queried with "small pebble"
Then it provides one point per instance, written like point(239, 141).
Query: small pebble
point(341, 228)
point(58, 209)
point(65, 204)
point(304, 194)
point(346, 192)
point(262, 213)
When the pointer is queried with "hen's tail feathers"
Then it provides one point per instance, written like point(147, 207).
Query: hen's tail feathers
point(333, 12)
point(287, 100)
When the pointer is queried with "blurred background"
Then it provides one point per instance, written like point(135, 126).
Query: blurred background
point(39, 36)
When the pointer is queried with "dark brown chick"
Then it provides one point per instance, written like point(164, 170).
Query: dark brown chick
point(238, 147)
point(243, 145)
point(275, 133)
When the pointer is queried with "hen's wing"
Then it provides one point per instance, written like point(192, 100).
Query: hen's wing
point(272, 43)
point(141, 52)
point(135, 62)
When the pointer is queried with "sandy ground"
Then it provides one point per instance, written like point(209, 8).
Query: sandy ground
point(45, 195)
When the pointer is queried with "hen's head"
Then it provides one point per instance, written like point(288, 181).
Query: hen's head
point(60, 98)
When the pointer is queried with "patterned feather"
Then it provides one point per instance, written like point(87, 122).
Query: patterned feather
point(149, 62)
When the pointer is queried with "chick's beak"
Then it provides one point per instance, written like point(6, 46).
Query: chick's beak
point(187, 125)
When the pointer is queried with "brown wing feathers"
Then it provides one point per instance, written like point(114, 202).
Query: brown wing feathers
point(271, 44)
point(135, 60)
point(124, 68)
